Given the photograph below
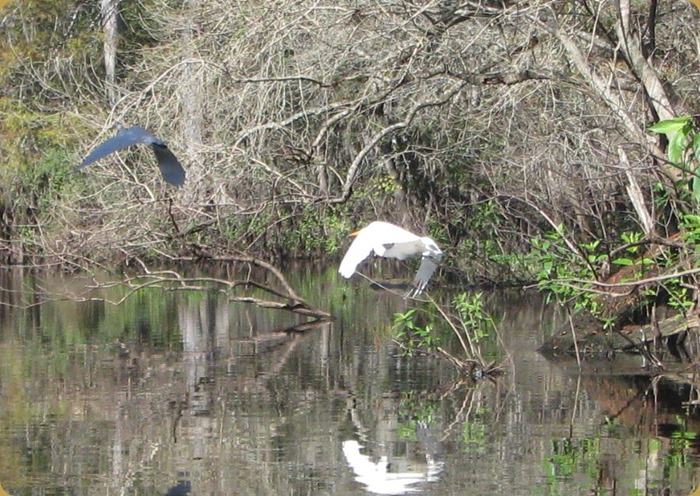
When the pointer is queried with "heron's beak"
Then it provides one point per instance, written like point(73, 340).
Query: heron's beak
point(353, 234)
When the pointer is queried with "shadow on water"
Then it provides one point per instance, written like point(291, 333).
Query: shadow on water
point(185, 393)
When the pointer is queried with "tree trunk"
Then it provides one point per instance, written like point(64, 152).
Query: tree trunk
point(191, 99)
point(110, 25)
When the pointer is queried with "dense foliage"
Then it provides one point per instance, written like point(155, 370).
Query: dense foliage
point(515, 133)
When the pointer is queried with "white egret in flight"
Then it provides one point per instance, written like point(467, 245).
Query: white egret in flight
point(390, 241)
point(170, 167)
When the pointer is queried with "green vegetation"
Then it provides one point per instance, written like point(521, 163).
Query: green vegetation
point(412, 335)
point(427, 329)
point(291, 142)
point(661, 271)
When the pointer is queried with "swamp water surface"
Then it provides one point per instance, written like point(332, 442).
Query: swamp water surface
point(177, 393)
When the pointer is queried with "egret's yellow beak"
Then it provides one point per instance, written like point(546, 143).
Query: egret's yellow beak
point(353, 234)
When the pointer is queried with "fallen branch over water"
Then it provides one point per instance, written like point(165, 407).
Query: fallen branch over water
point(170, 280)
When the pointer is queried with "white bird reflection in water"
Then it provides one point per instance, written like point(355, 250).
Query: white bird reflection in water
point(377, 478)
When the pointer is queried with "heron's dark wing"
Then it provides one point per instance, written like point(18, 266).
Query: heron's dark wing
point(124, 139)
point(170, 167)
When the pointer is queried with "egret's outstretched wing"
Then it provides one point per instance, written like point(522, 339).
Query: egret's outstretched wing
point(402, 250)
point(124, 139)
point(425, 272)
point(360, 249)
point(170, 167)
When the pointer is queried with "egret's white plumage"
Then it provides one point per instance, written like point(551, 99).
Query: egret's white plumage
point(382, 478)
point(390, 241)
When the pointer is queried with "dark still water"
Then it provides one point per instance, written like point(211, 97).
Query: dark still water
point(173, 393)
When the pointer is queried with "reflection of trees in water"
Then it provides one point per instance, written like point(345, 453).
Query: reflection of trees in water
point(654, 410)
point(243, 406)
point(650, 406)
point(239, 392)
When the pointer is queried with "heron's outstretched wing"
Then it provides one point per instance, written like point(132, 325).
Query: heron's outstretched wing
point(128, 137)
point(170, 167)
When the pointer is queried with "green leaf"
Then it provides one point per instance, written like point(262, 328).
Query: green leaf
point(695, 184)
point(676, 147)
point(691, 221)
point(696, 146)
point(623, 261)
point(670, 125)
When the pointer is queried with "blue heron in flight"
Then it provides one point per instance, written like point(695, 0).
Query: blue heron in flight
point(170, 167)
